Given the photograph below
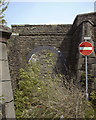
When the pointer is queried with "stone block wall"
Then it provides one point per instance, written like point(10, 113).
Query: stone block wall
point(7, 104)
point(34, 36)
point(84, 26)
point(65, 38)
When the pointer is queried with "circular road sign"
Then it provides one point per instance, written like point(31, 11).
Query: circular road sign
point(85, 48)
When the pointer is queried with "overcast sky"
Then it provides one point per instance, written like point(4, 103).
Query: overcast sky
point(45, 13)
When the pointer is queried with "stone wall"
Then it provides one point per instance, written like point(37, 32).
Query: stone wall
point(65, 38)
point(35, 36)
point(84, 26)
point(6, 93)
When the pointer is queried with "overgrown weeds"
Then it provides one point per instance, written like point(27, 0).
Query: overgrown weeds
point(42, 96)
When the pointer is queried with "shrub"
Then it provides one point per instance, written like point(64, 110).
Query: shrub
point(43, 96)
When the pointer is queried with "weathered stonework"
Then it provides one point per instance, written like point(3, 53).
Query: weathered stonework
point(65, 38)
point(7, 105)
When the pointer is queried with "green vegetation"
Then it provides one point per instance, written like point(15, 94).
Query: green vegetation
point(93, 102)
point(83, 79)
point(90, 111)
point(93, 98)
point(42, 96)
point(3, 7)
point(49, 59)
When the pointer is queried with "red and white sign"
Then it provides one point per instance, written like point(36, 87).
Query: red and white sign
point(85, 48)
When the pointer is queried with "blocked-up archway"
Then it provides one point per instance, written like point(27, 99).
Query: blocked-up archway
point(50, 59)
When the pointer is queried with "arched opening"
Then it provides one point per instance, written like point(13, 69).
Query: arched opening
point(48, 55)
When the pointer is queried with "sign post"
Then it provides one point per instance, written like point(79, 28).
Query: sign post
point(86, 78)
point(86, 49)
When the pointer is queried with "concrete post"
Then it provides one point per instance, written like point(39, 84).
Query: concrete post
point(7, 105)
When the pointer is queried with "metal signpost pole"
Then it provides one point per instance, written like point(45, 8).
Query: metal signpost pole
point(86, 78)
point(86, 38)
point(86, 49)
